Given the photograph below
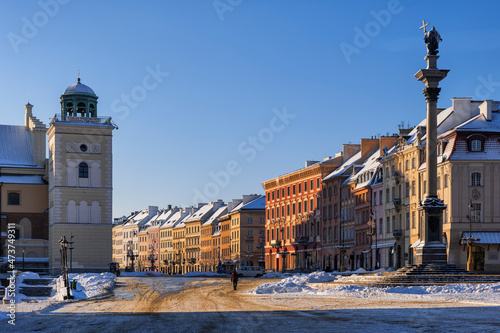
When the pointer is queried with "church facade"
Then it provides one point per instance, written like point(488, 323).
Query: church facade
point(71, 190)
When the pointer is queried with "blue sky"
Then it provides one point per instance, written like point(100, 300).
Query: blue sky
point(243, 91)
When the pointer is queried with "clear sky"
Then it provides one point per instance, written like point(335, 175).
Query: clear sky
point(214, 97)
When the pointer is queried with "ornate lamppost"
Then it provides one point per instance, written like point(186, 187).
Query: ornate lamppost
point(130, 253)
point(470, 241)
point(64, 264)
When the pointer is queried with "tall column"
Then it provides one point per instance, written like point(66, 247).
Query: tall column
point(431, 249)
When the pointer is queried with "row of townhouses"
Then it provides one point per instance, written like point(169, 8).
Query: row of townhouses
point(360, 208)
point(210, 237)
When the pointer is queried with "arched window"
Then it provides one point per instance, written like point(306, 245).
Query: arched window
point(69, 109)
point(83, 170)
point(92, 112)
point(81, 109)
point(475, 179)
point(475, 142)
point(475, 145)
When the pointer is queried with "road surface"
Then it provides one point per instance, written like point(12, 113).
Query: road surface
point(162, 304)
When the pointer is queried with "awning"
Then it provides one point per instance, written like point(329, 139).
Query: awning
point(417, 243)
point(485, 237)
point(381, 246)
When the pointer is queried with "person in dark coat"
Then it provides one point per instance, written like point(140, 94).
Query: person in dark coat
point(234, 278)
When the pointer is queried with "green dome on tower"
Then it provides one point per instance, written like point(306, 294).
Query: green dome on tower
point(78, 100)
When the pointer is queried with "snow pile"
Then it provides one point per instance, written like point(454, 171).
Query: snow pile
point(92, 284)
point(312, 285)
point(294, 284)
point(140, 274)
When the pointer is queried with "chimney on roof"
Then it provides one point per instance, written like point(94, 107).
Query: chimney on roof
point(386, 141)
point(485, 109)
point(169, 207)
point(309, 163)
point(367, 145)
point(349, 150)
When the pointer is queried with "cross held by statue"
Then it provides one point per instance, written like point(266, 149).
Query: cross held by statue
point(424, 25)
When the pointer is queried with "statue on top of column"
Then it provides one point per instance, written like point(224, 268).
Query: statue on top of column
point(432, 39)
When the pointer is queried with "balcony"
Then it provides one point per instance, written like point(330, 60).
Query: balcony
point(397, 202)
point(397, 233)
point(275, 243)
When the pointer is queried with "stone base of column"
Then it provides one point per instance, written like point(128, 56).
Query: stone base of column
point(432, 253)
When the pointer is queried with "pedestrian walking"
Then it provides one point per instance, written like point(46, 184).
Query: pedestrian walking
point(234, 278)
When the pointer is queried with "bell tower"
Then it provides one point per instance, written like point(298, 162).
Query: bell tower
point(80, 182)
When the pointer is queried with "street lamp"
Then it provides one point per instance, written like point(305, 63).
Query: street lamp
point(71, 253)
point(130, 253)
point(470, 241)
point(64, 263)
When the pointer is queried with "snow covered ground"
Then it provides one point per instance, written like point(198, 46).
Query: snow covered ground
point(89, 285)
point(317, 284)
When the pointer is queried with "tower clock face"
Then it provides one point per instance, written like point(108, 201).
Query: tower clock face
point(83, 148)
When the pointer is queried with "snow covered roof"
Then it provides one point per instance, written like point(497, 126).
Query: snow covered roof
point(256, 204)
point(218, 213)
point(21, 179)
point(15, 146)
point(341, 169)
point(202, 213)
point(370, 165)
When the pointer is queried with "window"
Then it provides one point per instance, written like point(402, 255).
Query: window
point(407, 166)
point(272, 195)
point(283, 192)
point(250, 247)
point(476, 212)
point(374, 198)
point(475, 179)
point(335, 190)
point(305, 186)
point(438, 183)
point(475, 145)
point(312, 204)
point(277, 194)
point(413, 163)
point(83, 170)
point(288, 191)
point(250, 220)
point(262, 220)
point(312, 184)
point(387, 195)
point(317, 183)
point(293, 190)
point(407, 221)
point(300, 187)
point(300, 207)
point(412, 187)
point(413, 220)
point(250, 233)
point(13, 198)
point(293, 209)
point(407, 192)
point(446, 180)
point(305, 206)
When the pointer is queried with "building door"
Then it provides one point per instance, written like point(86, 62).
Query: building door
point(479, 254)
